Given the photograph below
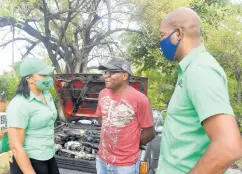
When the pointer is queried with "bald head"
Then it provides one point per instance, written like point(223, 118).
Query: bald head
point(186, 19)
point(181, 27)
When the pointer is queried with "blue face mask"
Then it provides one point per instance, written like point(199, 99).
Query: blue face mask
point(168, 48)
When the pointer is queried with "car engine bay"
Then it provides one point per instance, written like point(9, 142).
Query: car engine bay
point(78, 139)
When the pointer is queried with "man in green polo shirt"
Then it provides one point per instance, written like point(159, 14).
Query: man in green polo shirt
point(200, 134)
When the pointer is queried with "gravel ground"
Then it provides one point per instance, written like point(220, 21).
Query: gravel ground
point(65, 171)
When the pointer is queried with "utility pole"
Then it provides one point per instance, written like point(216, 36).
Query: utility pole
point(13, 30)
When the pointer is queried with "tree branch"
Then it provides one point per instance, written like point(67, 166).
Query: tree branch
point(3, 38)
point(32, 20)
point(15, 39)
point(70, 10)
point(110, 18)
point(8, 21)
point(108, 33)
point(30, 49)
point(63, 46)
point(63, 31)
point(88, 24)
point(103, 36)
point(109, 14)
point(47, 39)
point(57, 5)
point(96, 17)
point(56, 25)
point(74, 51)
point(95, 44)
point(61, 53)
point(116, 45)
point(46, 19)
point(76, 40)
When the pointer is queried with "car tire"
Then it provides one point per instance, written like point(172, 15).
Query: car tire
point(151, 171)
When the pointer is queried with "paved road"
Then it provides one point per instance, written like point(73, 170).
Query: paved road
point(65, 171)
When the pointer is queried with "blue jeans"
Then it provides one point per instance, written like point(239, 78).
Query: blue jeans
point(105, 168)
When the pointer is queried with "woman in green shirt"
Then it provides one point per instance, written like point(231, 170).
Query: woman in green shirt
point(30, 118)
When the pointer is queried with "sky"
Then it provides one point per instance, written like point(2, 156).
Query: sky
point(19, 50)
point(6, 53)
point(236, 1)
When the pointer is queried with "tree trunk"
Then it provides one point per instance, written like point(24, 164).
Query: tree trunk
point(55, 64)
point(83, 68)
point(67, 69)
point(57, 68)
point(77, 66)
point(52, 57)
point(80, 65)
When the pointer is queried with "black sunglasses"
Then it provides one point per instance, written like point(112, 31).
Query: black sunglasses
point(109, 73)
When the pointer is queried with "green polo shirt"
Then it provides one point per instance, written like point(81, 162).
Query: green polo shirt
point(201, 92)
point(37, 118)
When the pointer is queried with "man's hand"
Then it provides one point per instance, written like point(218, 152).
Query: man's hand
point(147, 134)
point(225, 146)
point(99, 121)
point(2, 132)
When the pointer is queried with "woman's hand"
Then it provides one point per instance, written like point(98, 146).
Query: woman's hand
point(2, 133)
point(16, 138)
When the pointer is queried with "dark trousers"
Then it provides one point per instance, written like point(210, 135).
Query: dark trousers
point(40, 167)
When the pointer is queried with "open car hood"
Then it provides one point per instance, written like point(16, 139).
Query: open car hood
point(78, 93)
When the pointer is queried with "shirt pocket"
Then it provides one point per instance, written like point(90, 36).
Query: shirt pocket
point(180, 99)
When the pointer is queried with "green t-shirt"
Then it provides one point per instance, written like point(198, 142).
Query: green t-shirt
point(201, 92)
point(37, 118)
